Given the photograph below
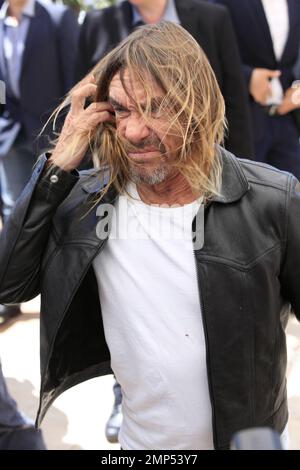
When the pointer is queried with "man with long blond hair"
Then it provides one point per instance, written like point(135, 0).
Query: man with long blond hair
point(173, 264)
point(211, 27)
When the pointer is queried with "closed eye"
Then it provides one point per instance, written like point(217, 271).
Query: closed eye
point(121, 111)
point(118, 108)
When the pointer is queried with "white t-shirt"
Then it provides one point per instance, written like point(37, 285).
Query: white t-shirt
point(153, 327)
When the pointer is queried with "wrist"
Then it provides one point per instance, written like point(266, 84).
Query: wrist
point(52, 167)
point(61, 163)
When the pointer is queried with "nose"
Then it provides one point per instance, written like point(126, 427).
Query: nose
point(135, 129)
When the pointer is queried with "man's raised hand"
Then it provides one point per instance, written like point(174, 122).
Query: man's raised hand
point(79, 123)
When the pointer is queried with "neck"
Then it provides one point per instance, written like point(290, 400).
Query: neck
point(175, 190)
point(152, 11)
point(16, 8)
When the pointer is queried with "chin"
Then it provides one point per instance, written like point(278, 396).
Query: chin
point(149, 177)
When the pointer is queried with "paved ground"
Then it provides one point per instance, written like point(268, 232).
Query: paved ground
point(77, 419)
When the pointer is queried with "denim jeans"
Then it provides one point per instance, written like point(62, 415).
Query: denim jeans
point(17, 432)
point(15, 171)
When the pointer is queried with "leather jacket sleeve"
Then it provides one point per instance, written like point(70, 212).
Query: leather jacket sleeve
point(25, 235)
point(290, 272)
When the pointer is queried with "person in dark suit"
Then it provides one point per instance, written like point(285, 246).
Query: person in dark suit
point(37, 55)
point(268, 34)
point(38, 43)
point(35, 79)
point(209, 24)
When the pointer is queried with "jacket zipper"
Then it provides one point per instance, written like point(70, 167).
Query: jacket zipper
point(208, 368)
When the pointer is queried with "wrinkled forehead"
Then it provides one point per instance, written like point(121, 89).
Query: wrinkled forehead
point(127, 86)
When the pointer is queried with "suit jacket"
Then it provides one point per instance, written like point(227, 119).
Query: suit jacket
point(256, 45)
point(211, 27)
point(296, 68)
point(47, 72)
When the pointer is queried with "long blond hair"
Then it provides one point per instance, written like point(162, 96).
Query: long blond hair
point(192, 102)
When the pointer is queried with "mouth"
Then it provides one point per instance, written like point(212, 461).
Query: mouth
point(144, 155)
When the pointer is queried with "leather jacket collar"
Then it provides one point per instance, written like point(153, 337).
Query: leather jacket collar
point(234, 181)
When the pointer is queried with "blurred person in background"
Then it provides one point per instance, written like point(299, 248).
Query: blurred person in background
point(211, 26)
point(268, 33)
point(38, 43)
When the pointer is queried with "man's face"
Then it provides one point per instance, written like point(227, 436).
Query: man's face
point(140, 3)
point(150, 150)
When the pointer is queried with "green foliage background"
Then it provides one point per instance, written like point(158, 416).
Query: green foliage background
point(79, 5)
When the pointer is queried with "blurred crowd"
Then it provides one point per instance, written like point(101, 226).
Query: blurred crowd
point(45, 48)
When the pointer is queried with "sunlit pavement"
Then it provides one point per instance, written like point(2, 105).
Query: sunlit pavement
point(77, 419)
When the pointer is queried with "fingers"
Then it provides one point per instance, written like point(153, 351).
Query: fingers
point(87, 79)
point(268, 73)
point(92, 120)
point(295, 98)
point(293, 94)
point(273, 73)
point(98, 118)
point(97, 108)
point(81, 119)
point(86, 89)
point(79, 96)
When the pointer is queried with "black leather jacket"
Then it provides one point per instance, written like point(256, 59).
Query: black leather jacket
point(248, 273)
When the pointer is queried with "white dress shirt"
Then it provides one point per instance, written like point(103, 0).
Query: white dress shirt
point(14, 35)
point(277, 15)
